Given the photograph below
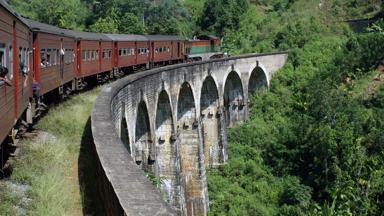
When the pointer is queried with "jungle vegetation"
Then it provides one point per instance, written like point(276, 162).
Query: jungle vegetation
point(314, 143)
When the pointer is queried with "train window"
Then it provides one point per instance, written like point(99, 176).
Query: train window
point(10, 69)
point(97, 55)
point(2, 57)
point(89, 55)
point(43, 58)
point(120, 52)
point(169, 49)
point(20, 55)
point(26, 51)
point(109, 53)
point(93, 54)
point(124, 52)
point(57, 57)
point(48, 58)
point(66, 56)
point(53, 57)
point(70, 56)
point(84, 55)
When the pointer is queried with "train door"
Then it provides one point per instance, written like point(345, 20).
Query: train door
point(116, 55)
point(153, 51)
point(178, 49)
point(79, 59)
point(62, 54)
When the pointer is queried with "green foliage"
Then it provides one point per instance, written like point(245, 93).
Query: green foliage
point(66, 14)
point(130, 24)
point(219, 15)
point(317, 129)
point(104, 25)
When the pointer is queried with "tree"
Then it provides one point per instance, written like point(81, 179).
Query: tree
point(65, 14)
point(219, 15)
point(131, 24)
point(104, 25)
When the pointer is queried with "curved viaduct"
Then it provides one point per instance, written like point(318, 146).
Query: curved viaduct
point(171, 123)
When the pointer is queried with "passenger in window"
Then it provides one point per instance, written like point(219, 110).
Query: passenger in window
point(1, 58)
point(3, 76)
point(43, 62)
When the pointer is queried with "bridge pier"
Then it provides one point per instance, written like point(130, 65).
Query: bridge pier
point(191, 154)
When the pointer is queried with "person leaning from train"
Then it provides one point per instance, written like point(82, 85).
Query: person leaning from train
point(3, 76)
point(36, 92)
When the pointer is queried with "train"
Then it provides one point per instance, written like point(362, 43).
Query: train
point(39, 62)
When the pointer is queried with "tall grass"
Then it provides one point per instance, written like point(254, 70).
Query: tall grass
point(56, 163)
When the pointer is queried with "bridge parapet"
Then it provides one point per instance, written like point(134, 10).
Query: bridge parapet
point(171, 122)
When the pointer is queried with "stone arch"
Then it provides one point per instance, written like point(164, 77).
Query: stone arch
point(143, 142)
point(124, 134)
point(190, 157)
point(166, 158)
point(210, 116)
point(186, 109)
point(233, 99)
point(257, 81)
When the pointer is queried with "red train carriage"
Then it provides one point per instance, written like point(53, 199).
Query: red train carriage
point(165, 49)
point(14, 57)
point(54, 59)
point(95, 53)
point(130, 50)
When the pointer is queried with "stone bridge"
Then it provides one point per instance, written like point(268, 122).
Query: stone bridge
point(170, 124)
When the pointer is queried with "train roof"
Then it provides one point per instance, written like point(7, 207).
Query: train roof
point(204, 38)
point(91, 36)
point(7, 7)
point(163, 37)
point(126, 37)
point(46, 28)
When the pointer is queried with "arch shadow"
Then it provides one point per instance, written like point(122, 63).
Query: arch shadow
point(233, 99)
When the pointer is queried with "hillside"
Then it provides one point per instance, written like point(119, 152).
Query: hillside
point(314, 142)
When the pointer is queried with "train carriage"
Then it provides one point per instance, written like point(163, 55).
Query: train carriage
point(203, 48)
point(165, 49)
point(54, 60)
point(95, 53)
point(15, 56)
point(130, 50)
